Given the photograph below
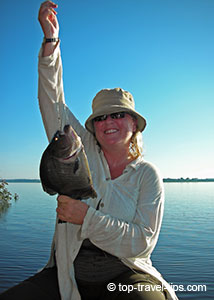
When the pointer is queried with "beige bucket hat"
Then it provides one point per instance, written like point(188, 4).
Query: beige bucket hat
point(109, 101)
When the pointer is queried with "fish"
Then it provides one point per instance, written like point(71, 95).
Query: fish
point(64, 167)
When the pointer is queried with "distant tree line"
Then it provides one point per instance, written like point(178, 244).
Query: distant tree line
point(188, 179)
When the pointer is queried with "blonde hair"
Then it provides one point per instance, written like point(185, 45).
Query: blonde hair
point(136, 145)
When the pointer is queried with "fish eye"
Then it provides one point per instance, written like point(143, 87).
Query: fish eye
point(56, 139)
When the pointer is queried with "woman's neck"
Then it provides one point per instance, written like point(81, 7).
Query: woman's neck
point(117, 161)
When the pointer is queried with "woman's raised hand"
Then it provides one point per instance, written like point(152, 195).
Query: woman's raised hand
point(48, 20)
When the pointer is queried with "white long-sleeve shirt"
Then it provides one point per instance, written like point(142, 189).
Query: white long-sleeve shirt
point(128, 221)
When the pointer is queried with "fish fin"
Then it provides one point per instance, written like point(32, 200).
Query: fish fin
point(48, 190)
point(76, 165)
point(93, 193)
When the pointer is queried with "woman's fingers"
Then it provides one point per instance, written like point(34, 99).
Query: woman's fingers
point(47, 8)
point(48, 4)
point(71, 210)
point(48, 20)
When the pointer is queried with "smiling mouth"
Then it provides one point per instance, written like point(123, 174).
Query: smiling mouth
point(109, 131)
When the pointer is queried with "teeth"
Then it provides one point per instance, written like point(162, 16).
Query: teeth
point(111, 131)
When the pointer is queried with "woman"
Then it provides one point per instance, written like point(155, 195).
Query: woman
point(103, 251)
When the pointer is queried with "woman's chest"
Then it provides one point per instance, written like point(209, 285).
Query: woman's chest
point(118, 198)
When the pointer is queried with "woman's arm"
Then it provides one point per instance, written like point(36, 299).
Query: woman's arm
point(55, 113)
point(130, 239)
point(50, 26)
point(50, 89)
point(51, 92)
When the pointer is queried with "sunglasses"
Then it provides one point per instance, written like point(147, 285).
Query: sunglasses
point(118, 115)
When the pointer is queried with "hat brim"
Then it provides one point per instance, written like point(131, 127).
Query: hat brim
point(141, 122)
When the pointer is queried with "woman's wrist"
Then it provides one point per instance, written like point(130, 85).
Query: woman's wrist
point(49, 45)
point(50, 40)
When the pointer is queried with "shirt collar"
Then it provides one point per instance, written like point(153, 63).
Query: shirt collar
point(135, 163)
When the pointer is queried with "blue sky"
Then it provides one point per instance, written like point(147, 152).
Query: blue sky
point(162, 51)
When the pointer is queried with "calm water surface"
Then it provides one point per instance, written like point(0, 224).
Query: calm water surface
point(184, 253)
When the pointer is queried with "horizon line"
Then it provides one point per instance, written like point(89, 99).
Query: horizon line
point(166, 179)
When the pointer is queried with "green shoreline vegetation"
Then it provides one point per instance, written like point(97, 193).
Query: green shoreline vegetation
point(188, 179)
point(5, 197)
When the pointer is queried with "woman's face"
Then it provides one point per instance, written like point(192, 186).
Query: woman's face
point(117, 131)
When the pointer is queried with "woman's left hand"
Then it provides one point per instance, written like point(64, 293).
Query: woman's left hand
point(71, 210)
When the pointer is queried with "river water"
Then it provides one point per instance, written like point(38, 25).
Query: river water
point(184, 253)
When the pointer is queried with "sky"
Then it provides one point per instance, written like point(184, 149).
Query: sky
point(162, 51)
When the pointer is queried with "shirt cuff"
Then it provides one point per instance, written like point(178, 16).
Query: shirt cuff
point(51, 59)
point(85, 228)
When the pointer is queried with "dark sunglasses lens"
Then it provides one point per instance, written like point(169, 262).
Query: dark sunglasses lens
point(100, 118)
point(118, 115)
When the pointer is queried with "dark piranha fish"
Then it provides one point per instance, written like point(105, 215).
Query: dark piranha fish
point(64, 167)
